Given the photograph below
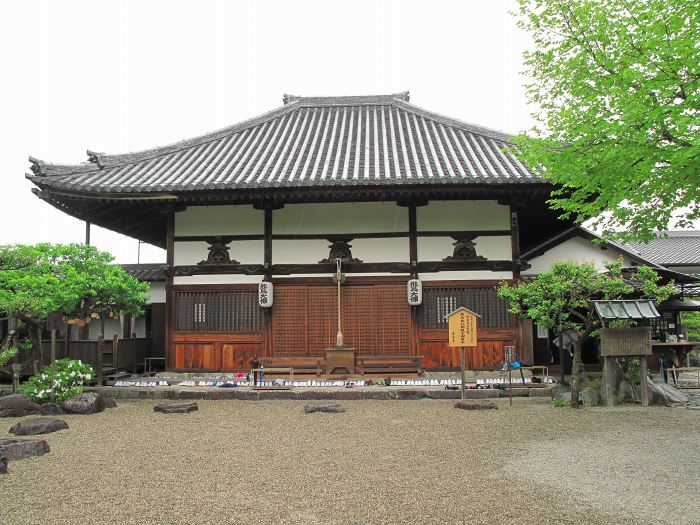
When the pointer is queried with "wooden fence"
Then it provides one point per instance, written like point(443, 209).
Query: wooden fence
point(117, 354)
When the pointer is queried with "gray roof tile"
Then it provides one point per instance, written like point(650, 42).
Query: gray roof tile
point(310, 141)
point(671, 248)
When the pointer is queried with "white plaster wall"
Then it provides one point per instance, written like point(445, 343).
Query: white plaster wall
point(246, 252)
point(352, 217)
point(437, 248)
point(157, 292)
point(463, 215)
point(466, 276)
point(112, 326)
point(577, 250)
point(305, 251)
point(220, 220)
point(218, 279)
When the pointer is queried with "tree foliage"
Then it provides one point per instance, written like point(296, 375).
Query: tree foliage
point(617, 84)
point(560, 299)
point(77, 280)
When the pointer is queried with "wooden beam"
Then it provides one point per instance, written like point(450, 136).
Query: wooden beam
point(333, 236)
point(307, 268)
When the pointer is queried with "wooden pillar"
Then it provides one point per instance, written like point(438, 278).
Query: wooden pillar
point(413, 259)
point(98, 359)
point(643, 380)
point(608, 364)
point(515, 243)
point(87, 233)
point(267, 263)
point(115, 347)
point(169, 296)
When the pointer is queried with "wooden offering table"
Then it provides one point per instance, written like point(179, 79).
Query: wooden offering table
point(340, 358)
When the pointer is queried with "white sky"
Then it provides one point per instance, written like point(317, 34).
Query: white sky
point(124, 76)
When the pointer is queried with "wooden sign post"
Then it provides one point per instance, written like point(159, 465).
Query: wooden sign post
point(462, 332)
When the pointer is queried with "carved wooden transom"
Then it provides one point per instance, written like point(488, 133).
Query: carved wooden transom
point(218, 253)
point(465, 250)
point(340, 249)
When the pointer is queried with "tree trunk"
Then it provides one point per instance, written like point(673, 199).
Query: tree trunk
point(34, 330)
point(576, 373)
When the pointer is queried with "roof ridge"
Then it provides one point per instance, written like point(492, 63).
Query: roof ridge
point(346, 99)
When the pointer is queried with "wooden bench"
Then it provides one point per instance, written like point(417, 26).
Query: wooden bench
point(389, 364)
point(300, 365)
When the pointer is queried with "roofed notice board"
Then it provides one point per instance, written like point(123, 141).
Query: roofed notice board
point(462, 327)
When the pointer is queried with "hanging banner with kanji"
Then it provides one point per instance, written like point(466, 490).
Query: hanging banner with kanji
point(414, 292)
point(265, 294)
point(462, 327)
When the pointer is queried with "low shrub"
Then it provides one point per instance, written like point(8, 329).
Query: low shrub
point(70, 377)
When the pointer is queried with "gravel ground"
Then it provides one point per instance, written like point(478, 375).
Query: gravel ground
point(389, 462)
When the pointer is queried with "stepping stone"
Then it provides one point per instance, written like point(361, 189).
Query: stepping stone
point(38, 425)
point(482, 405)
point(176, 408)
point(14, 449)
point(331, 407)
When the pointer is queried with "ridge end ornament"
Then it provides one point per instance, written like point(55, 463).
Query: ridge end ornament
point(464, 250)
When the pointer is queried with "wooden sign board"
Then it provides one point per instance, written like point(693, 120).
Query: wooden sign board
point(462, 327)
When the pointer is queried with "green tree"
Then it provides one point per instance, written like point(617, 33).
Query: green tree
point(617, 84)
point(74, 279)
point(691, 323)
point(559, 299)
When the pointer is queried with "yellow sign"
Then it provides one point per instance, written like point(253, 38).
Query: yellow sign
point(462, 327)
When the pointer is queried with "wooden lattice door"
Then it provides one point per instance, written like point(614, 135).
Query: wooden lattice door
point(376, 319)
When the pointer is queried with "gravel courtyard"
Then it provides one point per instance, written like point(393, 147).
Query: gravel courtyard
point(389, 462)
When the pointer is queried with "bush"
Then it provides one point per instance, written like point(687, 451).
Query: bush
point(69, 380)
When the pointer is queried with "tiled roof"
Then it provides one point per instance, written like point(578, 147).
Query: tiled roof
point(308, 142)
point(675, 248)
point(146, 272)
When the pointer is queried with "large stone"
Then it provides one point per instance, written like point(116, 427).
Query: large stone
point(86, 403)
point(479, 405)
point(14, 449)
point(50, 409)
point(590, 397)
point(38, 425)
point(656, 395)
point(333, 408)
point(175, 408)
point(17, 405)
point(663, 394)
point(3, 464)
point(110, 402)
point(673, 394)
